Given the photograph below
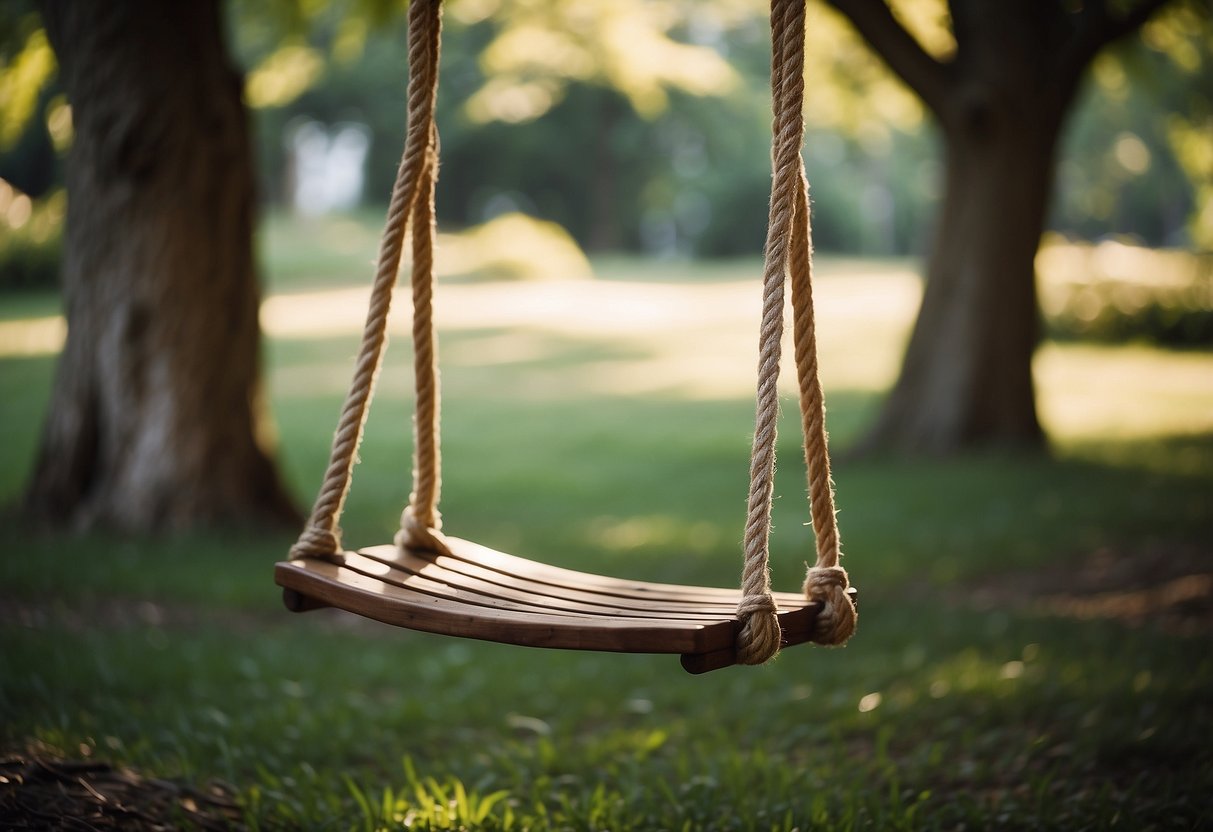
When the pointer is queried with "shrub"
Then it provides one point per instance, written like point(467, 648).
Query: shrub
point(1116, 293)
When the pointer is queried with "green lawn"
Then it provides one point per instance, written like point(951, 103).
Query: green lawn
point(1011, 669)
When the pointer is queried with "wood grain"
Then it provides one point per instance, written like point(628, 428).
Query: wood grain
point(477, 592)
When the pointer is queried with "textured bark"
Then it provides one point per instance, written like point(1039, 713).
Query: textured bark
point(155, 420)
point(1000, 102)
point(966, 378)
point(967, 374)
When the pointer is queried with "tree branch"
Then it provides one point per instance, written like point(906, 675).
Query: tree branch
point(923, 74)
point(1097, 28)
point(1128, 23)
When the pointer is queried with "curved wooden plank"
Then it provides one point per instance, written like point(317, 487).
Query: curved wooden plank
point(559, 577)
point(480, 593)
point(471, 577)
point(346, 589)
point(796, 627)
point(428, 578)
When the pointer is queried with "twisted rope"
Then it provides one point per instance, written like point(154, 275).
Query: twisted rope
point(826, 582)
point(788, 251)
point(321, 537)
point(420, 521)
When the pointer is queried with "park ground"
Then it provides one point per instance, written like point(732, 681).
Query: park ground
point(1035, 632)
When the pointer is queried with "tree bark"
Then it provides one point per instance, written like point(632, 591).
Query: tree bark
point(156, 420)
point(1000, 102)
point(966, 379)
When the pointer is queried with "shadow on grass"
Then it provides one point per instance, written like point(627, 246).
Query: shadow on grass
point(654, 488)
point(933, 717)
point(947, 709)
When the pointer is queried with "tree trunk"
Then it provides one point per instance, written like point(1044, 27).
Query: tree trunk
point(966, 379)
point(1000, 101)
point(155, 421)
point(604, 226)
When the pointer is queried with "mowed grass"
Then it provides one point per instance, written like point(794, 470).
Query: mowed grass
point(605, 425)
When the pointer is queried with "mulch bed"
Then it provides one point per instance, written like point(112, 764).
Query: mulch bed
point(49, 794)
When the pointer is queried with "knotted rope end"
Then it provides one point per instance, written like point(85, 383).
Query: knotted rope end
point(417, 533)
point(760, 637)
point(827, 585)
point(318, 543)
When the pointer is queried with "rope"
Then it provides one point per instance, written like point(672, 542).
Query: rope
point(321, 537)
point(826, 582)
point(788, 251)
point(420, 521)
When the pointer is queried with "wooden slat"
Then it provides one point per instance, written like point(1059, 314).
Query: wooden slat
point(439, 583)
point(557, 576)
point(480, 593)
point(473, 578)
point(402, 607)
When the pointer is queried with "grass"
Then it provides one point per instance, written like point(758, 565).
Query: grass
point(967, 700)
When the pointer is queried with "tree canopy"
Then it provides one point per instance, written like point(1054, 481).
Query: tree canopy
point(638, 125)
point(528, 83)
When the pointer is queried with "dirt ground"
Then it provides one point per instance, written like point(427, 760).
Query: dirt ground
point(40, 792)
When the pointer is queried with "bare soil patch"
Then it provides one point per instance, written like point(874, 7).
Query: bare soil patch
point(39, 791)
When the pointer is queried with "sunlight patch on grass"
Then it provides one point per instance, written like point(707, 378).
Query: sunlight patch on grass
point(646, 329)
point(1117, 393)
point(26, 337)
point(690, 340)
point(323, 313)
point(555, 340)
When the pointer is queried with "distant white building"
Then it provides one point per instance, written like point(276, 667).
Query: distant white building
point(329, 166)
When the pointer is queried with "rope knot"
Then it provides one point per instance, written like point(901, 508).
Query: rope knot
point(318, 542)
point(756, 604)
point(836, 622)
point(760, 636)
point(415, 533)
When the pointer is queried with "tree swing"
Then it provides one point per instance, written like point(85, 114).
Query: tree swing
point(428, 581)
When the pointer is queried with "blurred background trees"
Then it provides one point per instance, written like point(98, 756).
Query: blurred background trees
point(1000, 89)
point(642, 127)
point(685, 131)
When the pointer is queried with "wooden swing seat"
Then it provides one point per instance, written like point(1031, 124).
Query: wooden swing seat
point(476, 592)
point(457, 588)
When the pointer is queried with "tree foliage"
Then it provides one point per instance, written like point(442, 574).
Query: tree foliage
point(534, 89)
